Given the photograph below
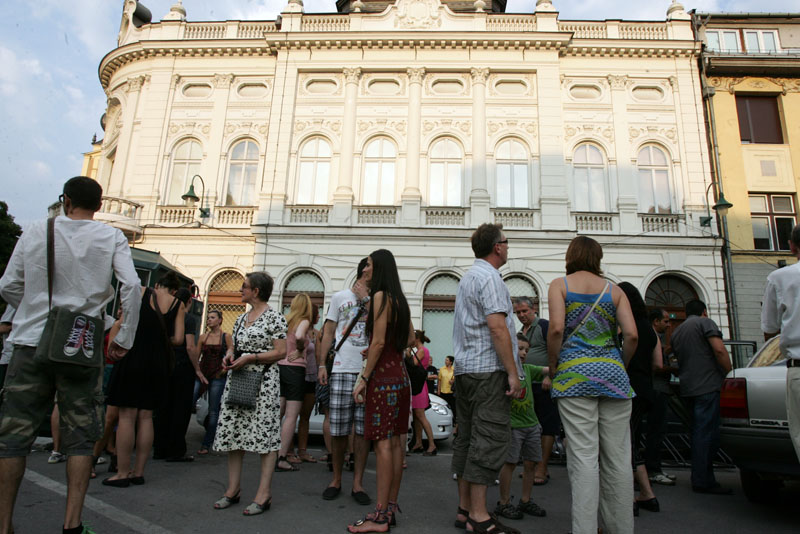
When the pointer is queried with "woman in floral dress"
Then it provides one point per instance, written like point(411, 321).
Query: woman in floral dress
point(385, 386)
point(260, 340)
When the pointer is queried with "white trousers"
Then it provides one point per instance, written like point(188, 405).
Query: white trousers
point(599, 462)
point(793, 406)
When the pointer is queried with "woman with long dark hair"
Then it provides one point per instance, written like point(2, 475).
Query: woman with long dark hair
point(640, 373)
point(385, 386)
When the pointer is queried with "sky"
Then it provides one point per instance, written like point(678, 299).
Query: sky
point(51, 99)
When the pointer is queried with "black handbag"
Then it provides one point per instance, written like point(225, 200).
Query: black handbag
point(243, 384)
point(417, 374)
point(68, 337)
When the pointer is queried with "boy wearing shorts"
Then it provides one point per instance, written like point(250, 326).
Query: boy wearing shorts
point(526, 443)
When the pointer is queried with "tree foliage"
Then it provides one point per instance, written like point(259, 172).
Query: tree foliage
point(9, 234)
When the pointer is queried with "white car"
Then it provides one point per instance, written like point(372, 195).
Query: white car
point(439, 416)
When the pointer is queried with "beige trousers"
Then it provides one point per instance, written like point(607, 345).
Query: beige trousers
point(793, 405)
point(599, 462)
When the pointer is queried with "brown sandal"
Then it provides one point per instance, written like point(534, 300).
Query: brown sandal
point(461, 524)
point(491, 526)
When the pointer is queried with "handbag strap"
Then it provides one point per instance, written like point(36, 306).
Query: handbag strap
point(588, 313)
point(361, 309)
point(51, 258)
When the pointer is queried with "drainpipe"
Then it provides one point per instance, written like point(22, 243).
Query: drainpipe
point(727, 264)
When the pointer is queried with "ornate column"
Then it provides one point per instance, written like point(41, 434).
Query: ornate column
point(479, 195)
point(627, 201)
point(343, 196)
point(412, 197)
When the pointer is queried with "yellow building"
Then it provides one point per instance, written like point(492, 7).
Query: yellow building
point(751, 68)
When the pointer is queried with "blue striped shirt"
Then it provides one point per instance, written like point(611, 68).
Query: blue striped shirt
point(481, 292)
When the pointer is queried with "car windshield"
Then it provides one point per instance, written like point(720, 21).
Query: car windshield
point(769, 354)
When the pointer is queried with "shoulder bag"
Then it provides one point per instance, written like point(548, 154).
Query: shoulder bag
point(332, 353)
point(417, 374)
point(244, 384)
point(588, 313)
point(68, 336)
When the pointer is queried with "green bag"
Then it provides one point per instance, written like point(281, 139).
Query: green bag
point(68, 337)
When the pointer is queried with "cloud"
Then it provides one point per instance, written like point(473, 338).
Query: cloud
point(15, 72)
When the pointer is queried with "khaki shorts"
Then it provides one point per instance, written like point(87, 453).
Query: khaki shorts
point(27, 398)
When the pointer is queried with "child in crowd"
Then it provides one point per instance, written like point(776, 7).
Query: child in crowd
point(526, 442)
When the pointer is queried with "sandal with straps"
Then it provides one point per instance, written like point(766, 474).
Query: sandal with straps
point(226, 501)
point(391, 512)
point(461, 524)
point(491, 526)
point(379, 518)
point(291, 467)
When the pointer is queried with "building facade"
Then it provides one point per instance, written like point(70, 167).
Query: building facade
point(751, 66)
point(322, 137)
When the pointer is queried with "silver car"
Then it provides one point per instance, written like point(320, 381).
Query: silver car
point(755, 429)
point(438, 414)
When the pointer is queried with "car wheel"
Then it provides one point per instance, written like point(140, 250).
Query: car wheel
point(758, 489)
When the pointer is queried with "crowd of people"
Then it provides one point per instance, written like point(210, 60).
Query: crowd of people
point(589, 376)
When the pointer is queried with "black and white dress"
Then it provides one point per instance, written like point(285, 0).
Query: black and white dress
point(255, 429)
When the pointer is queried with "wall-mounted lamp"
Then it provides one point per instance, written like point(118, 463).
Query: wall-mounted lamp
point(190, 197)
point(721, 207)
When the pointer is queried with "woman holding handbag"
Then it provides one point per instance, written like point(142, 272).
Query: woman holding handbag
point(420, 402)
point(384, 386)
point(250, 416)
point(592, 388)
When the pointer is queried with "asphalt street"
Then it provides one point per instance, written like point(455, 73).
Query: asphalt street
point(178, 498)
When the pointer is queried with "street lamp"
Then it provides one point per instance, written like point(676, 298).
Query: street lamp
point(721, 207)
point(190, 197)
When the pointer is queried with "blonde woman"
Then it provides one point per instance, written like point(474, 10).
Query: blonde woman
point(293, 373)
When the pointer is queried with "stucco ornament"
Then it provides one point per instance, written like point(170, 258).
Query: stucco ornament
point(418, 14)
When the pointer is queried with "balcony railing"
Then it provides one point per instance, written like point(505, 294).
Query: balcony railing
point(594, 222)
point(205, 30)
point(254, 30)
point(511, 218)
point(309, 214)
point(510, 23)
point(234, 216)
point(584, 30)
point(175, 215)
point(325, 23)
point(445, 216)
point(661, 224)
point(643, 30)
point(377, 215)
point(121, 213)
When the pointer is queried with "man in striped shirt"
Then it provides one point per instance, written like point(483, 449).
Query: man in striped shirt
point(487, 376)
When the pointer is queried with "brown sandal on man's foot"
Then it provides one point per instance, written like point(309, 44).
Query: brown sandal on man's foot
point(461, 524)
point(491, 526)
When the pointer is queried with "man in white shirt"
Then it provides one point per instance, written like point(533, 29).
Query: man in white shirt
point(343, 410)
point(780, 314)
point(87, 253)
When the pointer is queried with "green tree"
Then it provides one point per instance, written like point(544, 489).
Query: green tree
point(9, 234)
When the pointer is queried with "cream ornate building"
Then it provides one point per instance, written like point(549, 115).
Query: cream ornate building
point(320, 138)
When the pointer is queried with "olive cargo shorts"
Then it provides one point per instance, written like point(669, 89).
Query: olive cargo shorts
point(31, 384)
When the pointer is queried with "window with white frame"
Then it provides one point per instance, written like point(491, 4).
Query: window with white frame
point(446, 163)
point(314, 172)
point(186, 161)
point(723, 41)
point(242, 168)
point(654, 192)
point(512, 174)
point(773, 217)
point(589, 179)
point(379, 172)
point(760, 41)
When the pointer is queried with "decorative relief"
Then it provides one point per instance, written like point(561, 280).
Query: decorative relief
point(351, 75)
point(447, 84)
point(382, 125)
point(135, 83)
point(189, 127)
point(383, 84)
point(246, 127)
point(788, 85)
point(418, 14)
point(511, 85)
point(447, 124)
point(317, 124)
point(512, 125)
point(617, 82)
point(479, 74)
point(222, 81)
point(320, 84)
point(727, 84)
point(416, 75)
point(668, 132)
point(595, 130)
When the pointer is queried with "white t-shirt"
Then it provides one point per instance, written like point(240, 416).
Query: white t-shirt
point(343, 308)
point(780, 309)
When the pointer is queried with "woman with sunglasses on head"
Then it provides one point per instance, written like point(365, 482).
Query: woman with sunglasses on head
point(385, 386)
point(259, 337)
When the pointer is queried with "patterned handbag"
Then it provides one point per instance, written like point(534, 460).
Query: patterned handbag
point(244, 384)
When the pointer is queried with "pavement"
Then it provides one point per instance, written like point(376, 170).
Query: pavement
point(179, 497)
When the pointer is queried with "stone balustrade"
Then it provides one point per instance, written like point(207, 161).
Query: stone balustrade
point(643, 30)
point(176, 215)
point(121, 207)
point(510, 23)
point(514, 218)
point(325, 23)
point(590, 223)
point(445, 216)
point(233, 216)
point(377, 215)
point(205, 30)
point(584, 29)
point(254, 30)
point(661, 224)
point(309, 214)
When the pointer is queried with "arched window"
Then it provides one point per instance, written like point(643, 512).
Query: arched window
point(379, 171)
point(224, 294)
point(304, 282)
point(512, 175)
point(589, 179)
point(670, 293)
point(446, 162)
point(314, 172)
point(242, 168)
point(186, 161)
point(438, 315)
point(519, 286)
point(654, 194)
